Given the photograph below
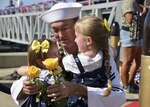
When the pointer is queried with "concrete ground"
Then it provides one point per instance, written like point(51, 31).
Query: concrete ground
point(130, 98)
point(7, 101)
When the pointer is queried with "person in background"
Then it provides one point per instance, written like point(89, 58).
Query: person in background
point(18, 3)
point(62, 18)
point(91, 66)
point(11, 7)
point(131, 41)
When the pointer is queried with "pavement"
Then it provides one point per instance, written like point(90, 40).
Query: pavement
point(7, 101)
point(130, 97)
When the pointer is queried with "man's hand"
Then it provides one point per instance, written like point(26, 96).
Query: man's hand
point(65, 89)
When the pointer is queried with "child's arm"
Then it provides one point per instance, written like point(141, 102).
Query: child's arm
point(22, 70)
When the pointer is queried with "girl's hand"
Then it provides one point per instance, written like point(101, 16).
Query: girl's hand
point(30, 89)
point(22, 70)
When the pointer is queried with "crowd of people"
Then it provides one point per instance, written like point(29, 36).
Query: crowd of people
point(11, 6)
point(19, 7)
point(91, 75)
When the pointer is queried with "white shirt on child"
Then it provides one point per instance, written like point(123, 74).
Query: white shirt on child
point(89, 64)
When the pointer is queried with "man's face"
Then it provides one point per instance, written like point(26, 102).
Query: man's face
point(64, 32)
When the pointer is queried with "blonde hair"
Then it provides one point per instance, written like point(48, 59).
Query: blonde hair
point(95, 28)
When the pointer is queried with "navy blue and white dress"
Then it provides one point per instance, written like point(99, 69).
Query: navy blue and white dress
point(95, 80)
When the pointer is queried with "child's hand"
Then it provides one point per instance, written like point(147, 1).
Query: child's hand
point(29, 88)
point(22, 70)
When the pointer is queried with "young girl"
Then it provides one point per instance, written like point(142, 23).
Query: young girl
point(94, 66)
point(35, 57)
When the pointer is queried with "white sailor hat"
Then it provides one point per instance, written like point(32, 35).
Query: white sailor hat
point(62, 11)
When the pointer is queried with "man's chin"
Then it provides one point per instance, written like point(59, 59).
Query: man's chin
point(63, 45)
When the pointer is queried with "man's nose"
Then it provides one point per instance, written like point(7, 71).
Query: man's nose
point(61, 34)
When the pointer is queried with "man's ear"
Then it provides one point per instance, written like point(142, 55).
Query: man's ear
point(89, 40)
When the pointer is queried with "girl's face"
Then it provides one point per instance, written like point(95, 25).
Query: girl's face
point(81, 42)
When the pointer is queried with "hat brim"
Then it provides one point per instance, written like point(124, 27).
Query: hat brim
point(58, 14)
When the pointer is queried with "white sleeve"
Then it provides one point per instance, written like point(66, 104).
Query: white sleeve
point(96, 98)
point(95, 95)
point(15, 90)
